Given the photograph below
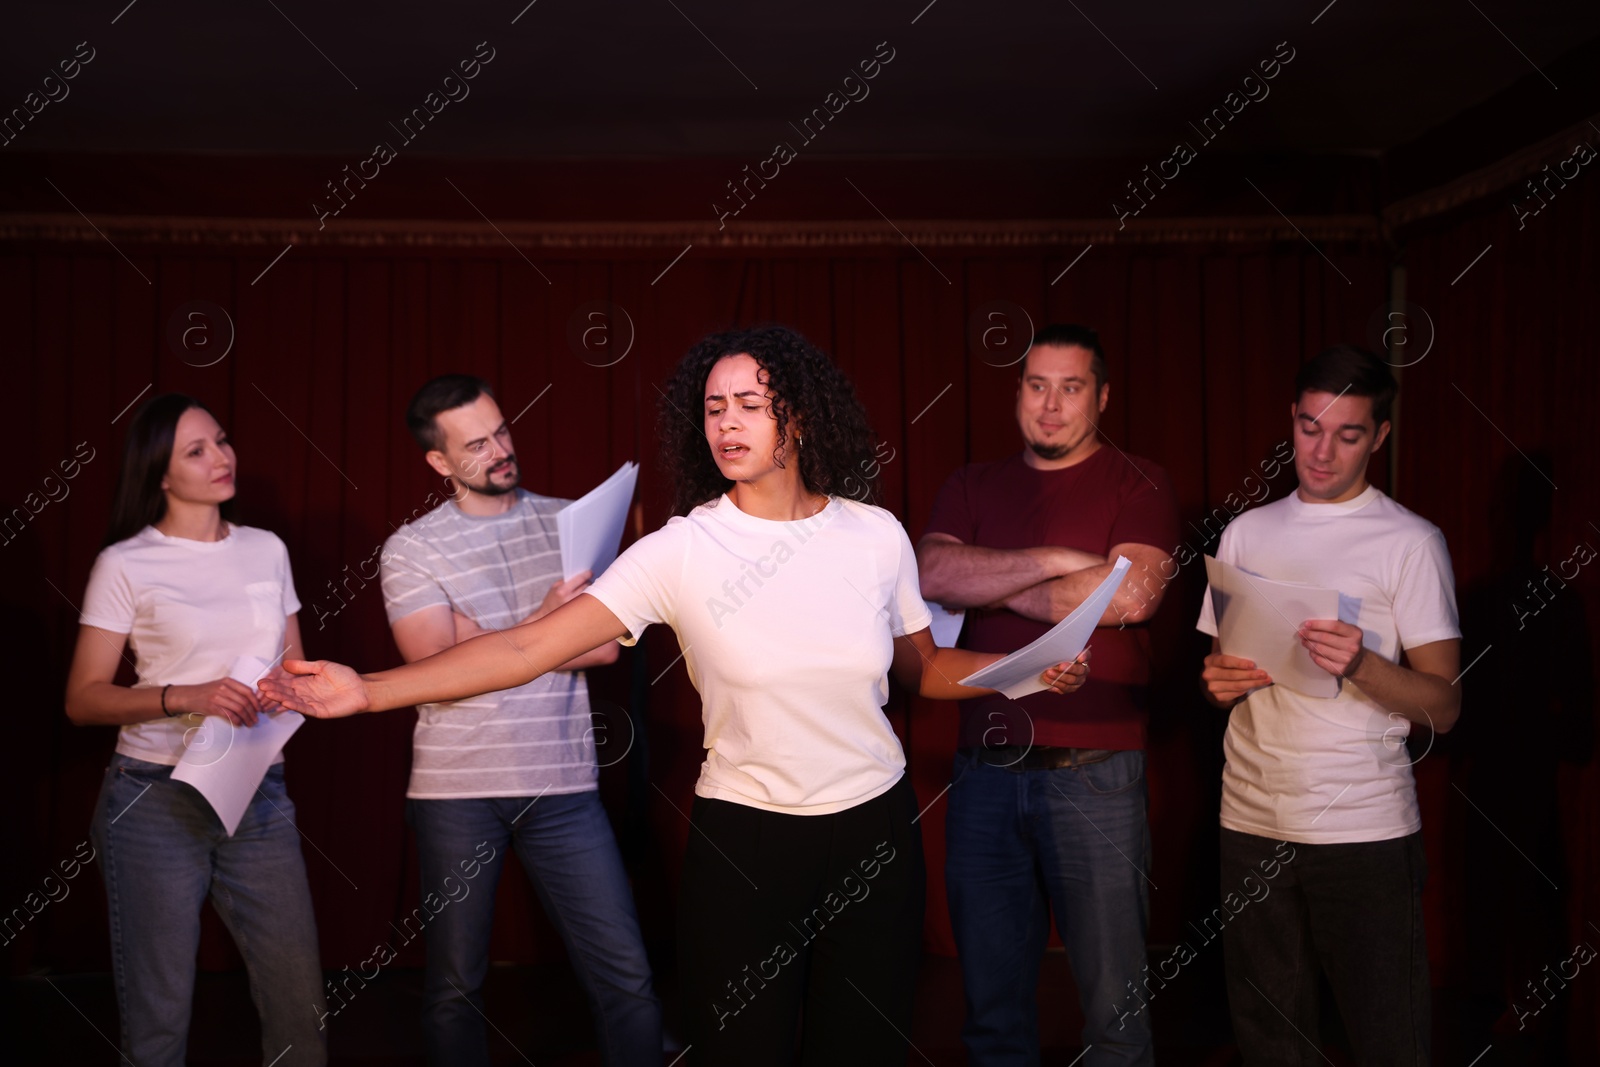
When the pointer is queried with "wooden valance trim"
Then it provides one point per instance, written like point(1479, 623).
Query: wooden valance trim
point(672, 236)
point(1498, 176)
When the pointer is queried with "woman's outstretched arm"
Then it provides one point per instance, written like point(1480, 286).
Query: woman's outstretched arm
point(932, 672)
point(484, 664)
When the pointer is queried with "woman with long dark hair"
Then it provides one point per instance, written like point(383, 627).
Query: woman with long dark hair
point(192, 594)
point(802, 900)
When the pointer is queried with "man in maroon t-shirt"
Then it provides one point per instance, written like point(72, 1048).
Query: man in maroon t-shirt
point(1047, 800)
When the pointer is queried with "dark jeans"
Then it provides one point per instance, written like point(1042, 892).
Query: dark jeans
point(801, 924)
point(1350, 911)
point(566, 846)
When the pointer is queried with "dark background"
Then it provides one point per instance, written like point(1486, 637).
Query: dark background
point(1383, 182)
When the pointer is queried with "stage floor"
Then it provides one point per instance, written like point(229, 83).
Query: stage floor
point(542, 1018)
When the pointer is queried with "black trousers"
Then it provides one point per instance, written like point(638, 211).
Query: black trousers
point(1351, 911)
point(799, 936)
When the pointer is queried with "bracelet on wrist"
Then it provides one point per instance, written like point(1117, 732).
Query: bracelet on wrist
point(164, 711)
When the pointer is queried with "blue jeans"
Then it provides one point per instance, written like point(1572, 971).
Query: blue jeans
point(1022, 844)
point(566, 846)
point(163, 852)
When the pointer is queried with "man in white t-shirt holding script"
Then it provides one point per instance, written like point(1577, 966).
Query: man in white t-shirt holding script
point(1333, 776)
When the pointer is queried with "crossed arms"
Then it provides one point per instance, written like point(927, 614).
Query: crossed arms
point(1045, 584)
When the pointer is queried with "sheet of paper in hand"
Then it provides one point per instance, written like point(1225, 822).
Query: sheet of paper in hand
point(1018, 674)
point(225, 763)
point(590, 528)
point(1259, 619)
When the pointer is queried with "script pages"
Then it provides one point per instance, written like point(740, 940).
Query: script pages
point(591, 528)
point(1017, 675)
point(1259, 619)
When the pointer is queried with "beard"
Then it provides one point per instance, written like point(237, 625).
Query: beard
point(1048, 452)
point(488, 487)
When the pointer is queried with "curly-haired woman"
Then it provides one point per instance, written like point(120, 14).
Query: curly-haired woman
point(802, 899)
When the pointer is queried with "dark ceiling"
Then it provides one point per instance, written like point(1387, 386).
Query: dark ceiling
point(655, 78)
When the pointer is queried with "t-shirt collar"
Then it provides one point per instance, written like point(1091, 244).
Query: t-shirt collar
point(520, 493)
point(150, 533)
point(1020, 458)
point(1354, 504)
point(726, 508)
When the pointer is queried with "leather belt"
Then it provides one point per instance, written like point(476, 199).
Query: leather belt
point(1038, 757)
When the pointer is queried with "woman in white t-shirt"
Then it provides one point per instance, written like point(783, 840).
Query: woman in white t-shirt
point(801, 907)
point(199, 600)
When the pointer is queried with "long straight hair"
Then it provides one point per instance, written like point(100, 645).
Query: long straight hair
point(146, 455)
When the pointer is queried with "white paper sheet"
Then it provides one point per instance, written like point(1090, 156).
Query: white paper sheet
point(591, 527)
point(946, 625)
point(226, 763)
point(1259, 619)
point(1017, 675)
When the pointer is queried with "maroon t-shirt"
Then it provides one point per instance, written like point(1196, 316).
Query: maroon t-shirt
point(1108, 499)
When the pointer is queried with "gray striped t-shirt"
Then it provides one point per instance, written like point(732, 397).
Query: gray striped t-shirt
point(527, 741)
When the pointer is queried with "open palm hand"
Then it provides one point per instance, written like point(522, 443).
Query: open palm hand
point(318, 688)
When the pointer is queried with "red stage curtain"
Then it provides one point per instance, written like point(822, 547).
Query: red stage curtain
point(1203, 342)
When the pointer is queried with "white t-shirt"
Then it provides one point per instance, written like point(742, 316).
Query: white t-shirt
point(787, 631)
point(1320, 771)
point(190, 609)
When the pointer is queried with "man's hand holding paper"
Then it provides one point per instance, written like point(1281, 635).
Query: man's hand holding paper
point(1334, 646)
point(1271, 632)
point(1229, 679)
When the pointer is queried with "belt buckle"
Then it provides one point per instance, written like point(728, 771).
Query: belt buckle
point(1048, 757)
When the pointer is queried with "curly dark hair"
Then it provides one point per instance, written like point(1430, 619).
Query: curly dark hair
point(802, 381)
